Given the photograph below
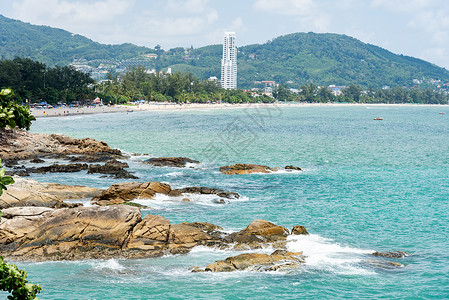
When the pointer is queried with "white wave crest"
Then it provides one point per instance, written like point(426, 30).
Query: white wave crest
point(327, 255)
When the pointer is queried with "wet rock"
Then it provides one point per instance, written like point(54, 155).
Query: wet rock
point(179, 162)
point(299, 230)
point(122, 192)
point(37, 160)
point(392, 254)
point(259, 231)
point(115, 169)
point(219, 201)
point(278, 260)
point(292, 168)
point(185, 200)
point(245, 169)
point(209, 191)
point(57, 168)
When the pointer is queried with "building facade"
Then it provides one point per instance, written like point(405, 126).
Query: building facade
point(229, 62)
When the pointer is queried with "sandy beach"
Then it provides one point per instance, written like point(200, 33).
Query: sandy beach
point(65, 111)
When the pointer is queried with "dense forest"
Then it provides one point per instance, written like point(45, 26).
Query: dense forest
point(292, 60)
point(54, 46)
point(33, 81)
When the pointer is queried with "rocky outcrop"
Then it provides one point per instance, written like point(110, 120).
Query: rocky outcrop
point(239, 169)
point(259, 231)
point(208, 191)
point(20, 144)
point(245, 169)
point(28, 192)
point(30, 233)
point(178, 162)
point(299, 230)
point(123, 192)
point(391, 254)
point(114, 169)
point(278, 260)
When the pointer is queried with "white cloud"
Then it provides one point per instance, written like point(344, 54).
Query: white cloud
point(286, 7)
point(64, 13)
point(187, 6)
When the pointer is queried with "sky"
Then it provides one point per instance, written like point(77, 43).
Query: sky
point(418, 28)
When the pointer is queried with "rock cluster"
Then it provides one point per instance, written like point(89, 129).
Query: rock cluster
point(239, 169)
point(20, 144)
point(120, 193)
point(277, 261)
point(41, 233)
point(178, 162)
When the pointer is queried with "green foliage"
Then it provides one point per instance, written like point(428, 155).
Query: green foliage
point(4, 180)
point(13, 114)
point(14, 281)
point(32, 80)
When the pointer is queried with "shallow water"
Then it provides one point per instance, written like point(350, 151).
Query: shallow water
point(367, 185)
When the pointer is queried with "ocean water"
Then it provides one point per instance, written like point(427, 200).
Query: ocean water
point(366, 186)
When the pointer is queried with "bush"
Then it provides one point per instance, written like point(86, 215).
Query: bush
point(13, 114)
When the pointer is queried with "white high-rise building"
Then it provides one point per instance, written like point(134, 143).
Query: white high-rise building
point(229, 62)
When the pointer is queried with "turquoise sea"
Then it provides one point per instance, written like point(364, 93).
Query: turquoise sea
point(366, 186)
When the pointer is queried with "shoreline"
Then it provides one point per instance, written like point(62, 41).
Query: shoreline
point(63, 112)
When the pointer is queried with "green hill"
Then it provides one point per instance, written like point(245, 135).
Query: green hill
point(322, 59)
point(293, 59)
point(54, 46)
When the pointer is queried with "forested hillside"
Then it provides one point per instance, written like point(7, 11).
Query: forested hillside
point(292, 60)
point(54, 46)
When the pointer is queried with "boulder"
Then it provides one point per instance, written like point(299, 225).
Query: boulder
point(57, 168)
point(245, 169)
point(391, 254)
point(208, 191)
point(292, 168)
point(70, 233)
point(114, 168)
point(36, 233)
point(278, 260)
point(28, 192)
point(122, 192)
point(299, 230)
point(178, 162)
point(259, 231)
point(20, 144)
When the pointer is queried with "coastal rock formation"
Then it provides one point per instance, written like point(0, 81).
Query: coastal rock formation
point(391, 254)
point(119, 193)
point(20, 144)
point(278, 260)
point(123, 192)
point(28, 192)
point(239, 169)
point(299, 230)
point(178, 162)
point(245, 169)
point(259, 231)
point(31, 233)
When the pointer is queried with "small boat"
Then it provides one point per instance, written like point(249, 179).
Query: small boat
point(442, 113)
point(378, 119)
